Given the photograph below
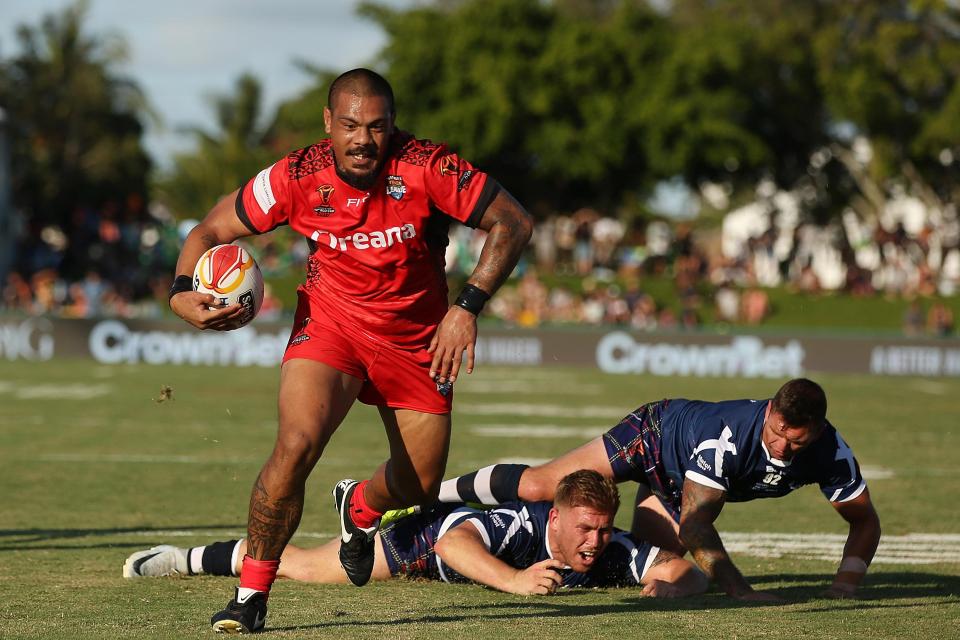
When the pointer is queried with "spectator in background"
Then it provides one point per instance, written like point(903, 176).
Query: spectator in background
point(533, 300)
point(727, 304)
point(583, 250)
point(563, 306)
point(17, 295)
point(808, 282)
point(940, 320)
point(545, 245)
point(607, 234)
point(756, 306)
point(913, 320)
point(566, 238)
point(48, 293)
point(644, 315)
point(618, 310)
point(667, 319)
point(689, 318)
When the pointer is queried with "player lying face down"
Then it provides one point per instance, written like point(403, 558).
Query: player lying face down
point(524, 548)
point(689, 458)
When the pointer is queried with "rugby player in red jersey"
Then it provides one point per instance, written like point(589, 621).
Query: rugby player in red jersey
point(372, 323)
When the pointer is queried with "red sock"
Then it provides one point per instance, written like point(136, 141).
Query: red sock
point(362, 514)
point(258, 575)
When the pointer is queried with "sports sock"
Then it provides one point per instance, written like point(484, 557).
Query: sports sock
point(495, 484)
point(257, 575)
point(217, 559)
point(362, 514)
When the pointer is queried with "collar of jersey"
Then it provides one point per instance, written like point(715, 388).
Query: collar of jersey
point(771, 459)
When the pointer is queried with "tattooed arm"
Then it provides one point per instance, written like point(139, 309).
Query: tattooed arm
point(220, 226)
point(699, 508)
point(508, 228)
point(862, 540)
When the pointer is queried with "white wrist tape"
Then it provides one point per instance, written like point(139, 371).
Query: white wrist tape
point(853, 564)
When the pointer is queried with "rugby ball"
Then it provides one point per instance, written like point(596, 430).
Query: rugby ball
point(231, 275)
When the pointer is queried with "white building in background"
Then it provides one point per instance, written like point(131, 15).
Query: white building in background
point(768, 236)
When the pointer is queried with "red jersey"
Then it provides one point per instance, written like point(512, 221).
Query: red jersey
point(377, 257)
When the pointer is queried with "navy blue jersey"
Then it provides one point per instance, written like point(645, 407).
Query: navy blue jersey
point(516, 533)
point(719, 444)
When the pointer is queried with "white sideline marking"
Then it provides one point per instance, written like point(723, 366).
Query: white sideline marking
point(913, 548)
point(141, 458)
point(931, 387)
point(221, 534)
point(62, 392)
point(529, 386)
point(98, 458)
point(876, 473)
point(535, 431)
point(540, 410)
point(532, 374)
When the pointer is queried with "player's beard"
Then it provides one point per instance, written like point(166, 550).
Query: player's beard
point(360, 181)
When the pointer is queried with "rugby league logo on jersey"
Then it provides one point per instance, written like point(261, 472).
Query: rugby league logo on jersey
point(449, 166)
point(396, 188)
point(444, 388)
point(325, 191)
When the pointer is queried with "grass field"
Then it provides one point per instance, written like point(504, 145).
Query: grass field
point(94, 467)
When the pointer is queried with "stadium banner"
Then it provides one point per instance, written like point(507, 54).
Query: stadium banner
point(611, 350)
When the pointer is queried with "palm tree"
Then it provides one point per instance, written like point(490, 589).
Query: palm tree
point(75, 124)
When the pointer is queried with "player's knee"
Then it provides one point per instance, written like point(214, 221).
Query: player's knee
point(297, 450)
point(537, 483)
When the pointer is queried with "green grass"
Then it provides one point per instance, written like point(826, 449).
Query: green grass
point(78, 500)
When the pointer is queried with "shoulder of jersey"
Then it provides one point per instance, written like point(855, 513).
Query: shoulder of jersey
point(309, 160)
point(412, 150)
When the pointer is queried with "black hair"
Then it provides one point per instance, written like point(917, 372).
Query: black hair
point(802, 403)
point(361, 82)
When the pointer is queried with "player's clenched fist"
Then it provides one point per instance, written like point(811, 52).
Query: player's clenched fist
point(540, 579)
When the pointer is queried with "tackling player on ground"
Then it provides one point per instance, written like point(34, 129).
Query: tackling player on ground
point(690, 458)
point(372, 322)
point(523, 548)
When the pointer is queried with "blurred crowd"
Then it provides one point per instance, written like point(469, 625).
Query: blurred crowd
point(605, 264)
point(583, 268)
point(112, 260)
point(723, 276)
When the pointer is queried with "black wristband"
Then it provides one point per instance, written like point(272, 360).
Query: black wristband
point(180, 284)
point(472, 299)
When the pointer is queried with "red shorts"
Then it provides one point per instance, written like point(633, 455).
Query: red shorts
point(392, 377)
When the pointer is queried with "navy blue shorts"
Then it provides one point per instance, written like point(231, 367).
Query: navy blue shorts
point(408, 542)
point(633, 450)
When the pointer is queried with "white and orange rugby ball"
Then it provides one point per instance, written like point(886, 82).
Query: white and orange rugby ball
point(231, 275)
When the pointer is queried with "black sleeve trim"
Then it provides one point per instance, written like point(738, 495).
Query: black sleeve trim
point(242, 211)
point(490, 190)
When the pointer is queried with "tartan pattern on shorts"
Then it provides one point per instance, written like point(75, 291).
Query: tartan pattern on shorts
point(408, 547)
point(633, 450)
